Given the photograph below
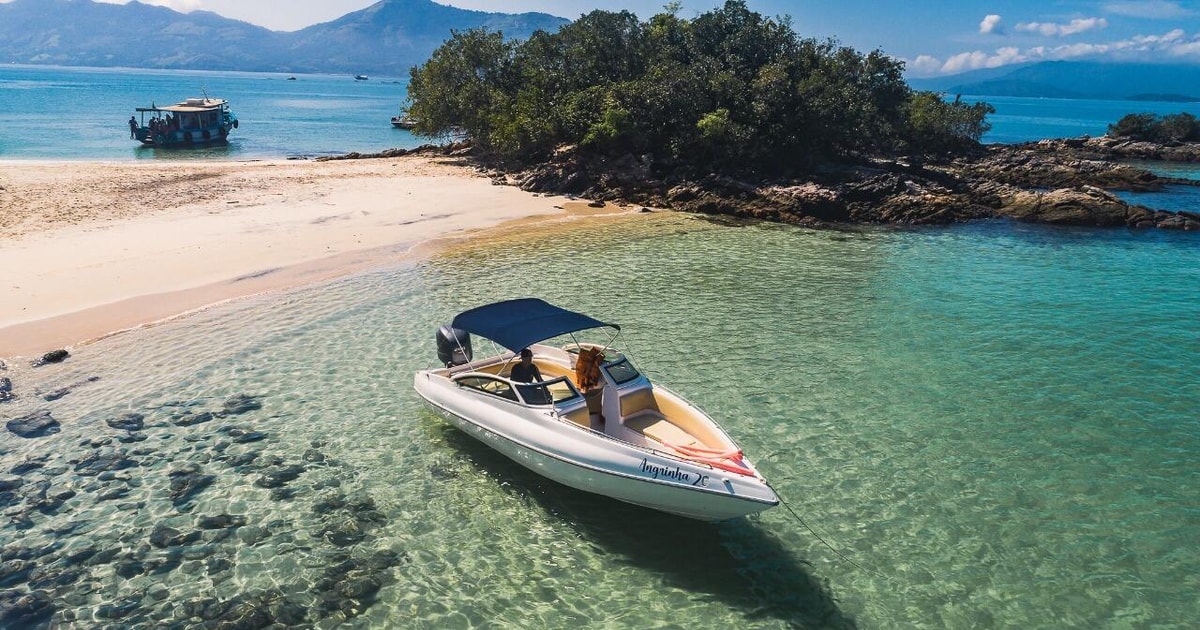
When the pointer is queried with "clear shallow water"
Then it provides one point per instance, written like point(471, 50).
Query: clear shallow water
point(81, 113)
point(996, 421)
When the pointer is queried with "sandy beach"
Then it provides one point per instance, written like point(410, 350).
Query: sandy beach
point(91, 248)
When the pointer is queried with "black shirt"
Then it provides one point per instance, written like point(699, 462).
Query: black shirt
point(525, 374)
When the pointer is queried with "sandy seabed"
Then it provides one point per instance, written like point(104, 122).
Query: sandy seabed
point(91, 248)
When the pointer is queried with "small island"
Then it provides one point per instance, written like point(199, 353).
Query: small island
point(732, 113)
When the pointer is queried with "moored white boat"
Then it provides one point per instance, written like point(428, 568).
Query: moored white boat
point(594, 422)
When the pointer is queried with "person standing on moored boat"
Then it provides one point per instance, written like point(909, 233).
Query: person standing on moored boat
point(526, 371)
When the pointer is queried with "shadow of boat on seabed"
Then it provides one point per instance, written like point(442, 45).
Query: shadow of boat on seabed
point(736, 562)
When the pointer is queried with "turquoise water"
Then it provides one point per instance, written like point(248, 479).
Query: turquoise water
point(81, 113)
point(49, 112)
point(996, 424)
point(1019, 119)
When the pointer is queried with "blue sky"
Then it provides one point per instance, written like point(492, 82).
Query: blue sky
point(933, 38)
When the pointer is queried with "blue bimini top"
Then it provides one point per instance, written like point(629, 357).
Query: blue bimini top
point(516, 324)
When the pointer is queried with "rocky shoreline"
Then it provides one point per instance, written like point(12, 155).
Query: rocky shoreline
point(1059, 182)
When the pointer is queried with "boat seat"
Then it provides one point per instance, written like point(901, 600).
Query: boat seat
point(657, 427)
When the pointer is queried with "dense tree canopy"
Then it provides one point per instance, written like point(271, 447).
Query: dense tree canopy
point(729, 89)
point(1182, 127)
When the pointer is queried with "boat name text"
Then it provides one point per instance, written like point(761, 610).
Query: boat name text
point(673, 473)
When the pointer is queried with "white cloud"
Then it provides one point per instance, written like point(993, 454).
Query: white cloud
point(1175, 44)
point(1152, 9)
point(1074, 27)
point(978, 59)
point(925, 65)
point(991, 25)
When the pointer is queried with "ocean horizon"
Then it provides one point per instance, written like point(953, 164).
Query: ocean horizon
point(990, 424)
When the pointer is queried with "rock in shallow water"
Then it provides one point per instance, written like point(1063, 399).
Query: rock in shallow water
point(25, 610)
point(127, 422)
point(54, 356)
point(221, 521)
point(35, 425)
point(100, 462)
point(186, 483)
point(240, 404)
point(187, 418)
point(164, 536)
point(279, 476)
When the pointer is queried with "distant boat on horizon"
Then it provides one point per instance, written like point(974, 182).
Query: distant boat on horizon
point(360, 77)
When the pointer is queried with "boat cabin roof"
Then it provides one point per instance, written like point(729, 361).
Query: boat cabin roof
point(190, 105)
point(517, 324)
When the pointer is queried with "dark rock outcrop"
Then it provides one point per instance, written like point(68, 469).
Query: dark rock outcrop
point(54, 356)
point(1061, 182)
point(35, 425)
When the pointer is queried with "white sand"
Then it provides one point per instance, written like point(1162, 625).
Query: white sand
point(92, 248)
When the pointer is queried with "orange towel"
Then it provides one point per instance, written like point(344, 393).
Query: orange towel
point(587, 368)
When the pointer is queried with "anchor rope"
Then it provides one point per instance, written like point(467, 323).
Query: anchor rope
point(821, 538)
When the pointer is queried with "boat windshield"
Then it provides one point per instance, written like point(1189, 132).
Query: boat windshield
point(621, 371)
point(547, 392)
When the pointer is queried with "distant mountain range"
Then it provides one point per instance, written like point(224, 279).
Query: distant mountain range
point(1075, 79)
point(388, 37)
point(391, 36)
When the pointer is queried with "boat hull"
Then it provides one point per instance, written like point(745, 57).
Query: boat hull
point(590, 461)
point(190, 138)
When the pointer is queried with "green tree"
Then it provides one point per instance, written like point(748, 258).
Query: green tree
point(728, 90)
point(1136, 126)
point(933, 125)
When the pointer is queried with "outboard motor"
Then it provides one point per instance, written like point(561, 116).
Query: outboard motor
point(453, 345)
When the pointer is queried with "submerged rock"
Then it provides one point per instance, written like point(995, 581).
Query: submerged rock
point(186, 483)
point(243, 436)
point(240, 404)
point(100, 462)
point(188, 418)
point(63, 391)
point(221, 521)
point(279, 476)
point(127, 422)
point(25, 610)
point(34, 425)
point(164, 536)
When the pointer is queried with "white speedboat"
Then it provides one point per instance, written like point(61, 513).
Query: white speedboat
point(594, 422)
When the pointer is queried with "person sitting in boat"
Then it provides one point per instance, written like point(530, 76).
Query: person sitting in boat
point(525, 371)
